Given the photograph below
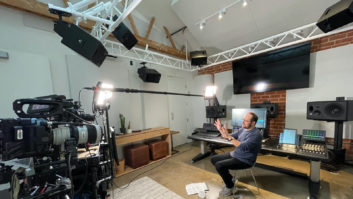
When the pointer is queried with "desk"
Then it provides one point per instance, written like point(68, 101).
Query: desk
point(315, 161)
point(161, 132)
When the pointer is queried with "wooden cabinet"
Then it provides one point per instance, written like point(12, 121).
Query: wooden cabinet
point(161, 132)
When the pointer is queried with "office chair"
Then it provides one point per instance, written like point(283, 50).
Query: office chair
point(245, 170)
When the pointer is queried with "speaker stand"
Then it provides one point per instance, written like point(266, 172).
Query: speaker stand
point(337, 146)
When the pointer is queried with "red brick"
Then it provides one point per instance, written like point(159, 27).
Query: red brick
point(338, 36)
point(350, 33)
point(345, 40)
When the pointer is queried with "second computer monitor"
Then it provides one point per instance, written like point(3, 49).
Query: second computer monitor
point(239, 113)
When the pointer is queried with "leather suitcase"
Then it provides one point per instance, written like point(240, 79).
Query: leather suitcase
point(158, 149)
point(137, 155)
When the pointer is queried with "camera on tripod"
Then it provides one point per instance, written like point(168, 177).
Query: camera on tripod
point(39, 151)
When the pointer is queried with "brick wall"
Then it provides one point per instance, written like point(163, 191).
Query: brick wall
point(275, 125)
point(332, 41)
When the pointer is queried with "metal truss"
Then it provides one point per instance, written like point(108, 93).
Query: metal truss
point(107, 15)
point(291, 37)
point(117, 49)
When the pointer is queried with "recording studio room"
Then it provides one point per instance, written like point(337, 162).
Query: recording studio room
point(159, 99)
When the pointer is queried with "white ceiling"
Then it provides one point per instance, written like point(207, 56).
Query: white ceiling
point(241, 25)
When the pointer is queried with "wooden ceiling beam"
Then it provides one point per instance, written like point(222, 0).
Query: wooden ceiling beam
point(133, 26)
point(38, 8)
point(169, 36)
point(66, 3)
point(160, 47)
point(149, 28)
point(183, 48)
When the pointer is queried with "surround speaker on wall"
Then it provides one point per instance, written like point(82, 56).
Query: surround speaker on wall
point(198, 58)
point(271, 108)
point(81, 42)
point(149, 75)
point(336, 16)
point(330, 110)
point(124, 35)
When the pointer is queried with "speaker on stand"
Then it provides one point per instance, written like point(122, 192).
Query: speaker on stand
point(337, 111)
point(272, 110)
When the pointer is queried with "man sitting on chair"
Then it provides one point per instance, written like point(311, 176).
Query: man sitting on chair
point(247, 142)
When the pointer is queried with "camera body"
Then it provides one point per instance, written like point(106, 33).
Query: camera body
point(47, 151)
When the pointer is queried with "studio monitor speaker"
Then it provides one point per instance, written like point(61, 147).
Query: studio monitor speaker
point(81, 42)
point(330, 110)
point(336, 16)
point(198, 58)
point(216, 111)
point(149, 75)
point(272, 108)
point(123, 34)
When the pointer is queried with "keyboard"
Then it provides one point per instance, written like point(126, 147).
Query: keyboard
point(207, 134)
point(209, 127)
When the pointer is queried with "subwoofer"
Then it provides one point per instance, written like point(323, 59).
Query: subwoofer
point(272, 108)
point(330, 110)
point(336, 16)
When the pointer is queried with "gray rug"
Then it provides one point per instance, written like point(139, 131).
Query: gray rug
point(144, 188)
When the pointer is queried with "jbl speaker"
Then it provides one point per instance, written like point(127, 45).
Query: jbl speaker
point(272, 108)
point(123, 34)
point(81, 42)
point(149, 75)
point(336, 16)
point(330, 110)
point(198, 58)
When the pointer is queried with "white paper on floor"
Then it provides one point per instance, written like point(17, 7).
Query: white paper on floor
point(144, 188)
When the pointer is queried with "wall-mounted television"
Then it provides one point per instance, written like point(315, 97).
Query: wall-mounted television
point(286, 68)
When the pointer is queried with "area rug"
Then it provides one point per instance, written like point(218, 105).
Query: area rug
point(144, 188)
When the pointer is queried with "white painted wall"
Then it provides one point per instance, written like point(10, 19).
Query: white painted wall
point(331, 77)
point(40, 65)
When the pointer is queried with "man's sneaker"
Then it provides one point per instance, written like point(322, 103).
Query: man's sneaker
point(226, 191)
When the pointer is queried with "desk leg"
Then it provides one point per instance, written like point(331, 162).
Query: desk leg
point(314, 180)
point(203, 154)
point(173, 151)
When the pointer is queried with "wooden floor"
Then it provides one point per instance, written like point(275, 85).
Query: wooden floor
point(178, 171)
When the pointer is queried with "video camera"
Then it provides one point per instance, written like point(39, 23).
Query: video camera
point(47, 151)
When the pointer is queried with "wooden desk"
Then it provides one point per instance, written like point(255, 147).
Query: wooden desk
point(162, 132)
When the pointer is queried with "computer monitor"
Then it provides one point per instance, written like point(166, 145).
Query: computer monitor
point(239, 113)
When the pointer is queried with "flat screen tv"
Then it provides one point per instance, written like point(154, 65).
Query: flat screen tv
point(286, 68)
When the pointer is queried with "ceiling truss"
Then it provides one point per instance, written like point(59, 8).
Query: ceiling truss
point(145, 55)
point(291, 37)
point(107, 15)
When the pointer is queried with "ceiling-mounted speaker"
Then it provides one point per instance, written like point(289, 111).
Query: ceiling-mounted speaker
point(81, 42)
point(336, 16)
point(198, 58)
point(124, 35)
point(149, 75)
point(330, 110)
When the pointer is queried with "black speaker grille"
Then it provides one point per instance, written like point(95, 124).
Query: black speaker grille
point(334, 110)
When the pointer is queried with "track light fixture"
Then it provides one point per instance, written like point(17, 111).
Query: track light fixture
point(201, 23)
point(221, 14)
point(245, 3)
